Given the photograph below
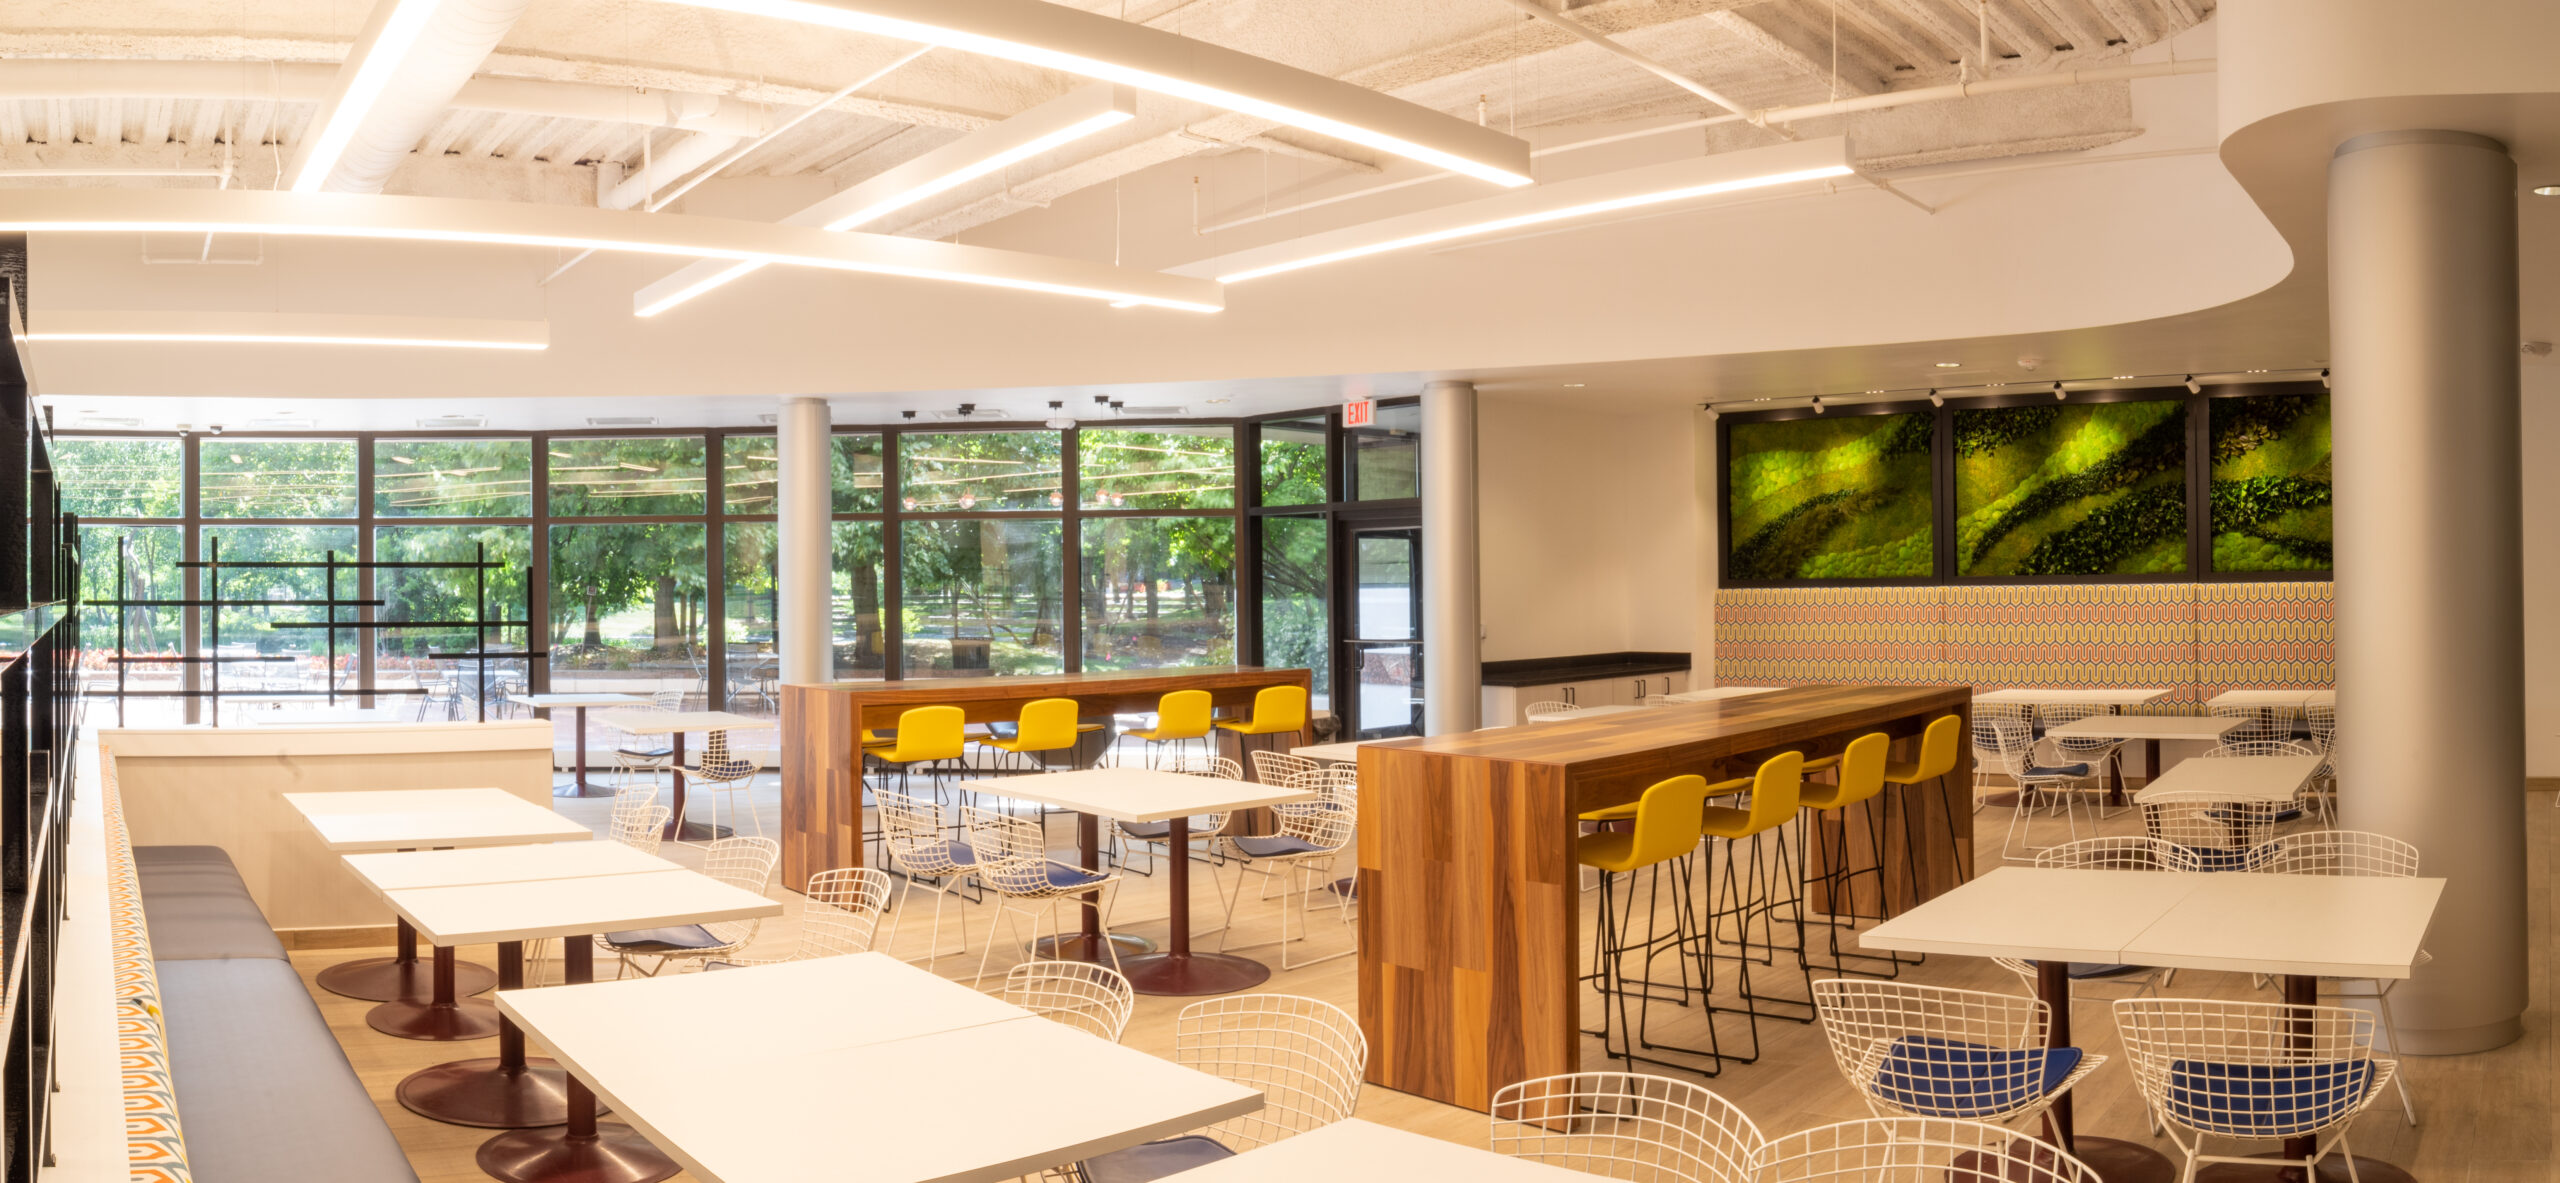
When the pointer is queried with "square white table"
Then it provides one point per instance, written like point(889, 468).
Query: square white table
point(2107, 696)
point(2236, 778)
point(509, 1091)
point(396, 871)
point(578, 703)
point(1346, 752)
point(1152, 795)
point(840, 1100)
point(676, 725)
point(2297, 699)
point(1356, 1151)
point(1713, 694)
point(411, 819)
point(2302, 927)
point(2150, 729)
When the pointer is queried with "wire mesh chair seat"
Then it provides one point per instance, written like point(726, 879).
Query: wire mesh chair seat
point(720, 776)
point(1299, 858)
point(1202, 827)
point(2100, 754)
point(2257, 723)
point(2216, 834)
point(2253, 1071)
point(1305, 1056)
point(1548, 711)
point(1626, 1125)
point(2321, 720)
point(1013, 864)
point(1916, 1150)
point(2107, 854)
point(2008, 747)
point(637, 820)
point(1933, 1051)
point(1091, 998)
point(841, 915)
point(2353, 853)
point(2306, 798)
point(739, 862)
point(919, 849)
point(1275, 768)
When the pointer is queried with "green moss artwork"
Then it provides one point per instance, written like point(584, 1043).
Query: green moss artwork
point(2271, 483)
point(1840, 497)
point(2092, 489)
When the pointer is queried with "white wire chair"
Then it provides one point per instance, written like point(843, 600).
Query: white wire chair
point(1303, 1055)
point(1300, 857)
point(1091, 998)
point(1548, 711)
point(2308, 799)
point(2217, 834)
point(721, 776)
point(2107, 854)
point(1013, 864)
point(1982, 767)
point(638, 821)
point(2321, 719)
point(1275, 768)
point(920, 848)
point(643, 755)
point(2099, 754)
point(1916, 1150)
point(1933, 1051)
point(2008, 747)
point(1626, 1125)
point(2354, 853)
point(840, 916)
point(2257, 723)
point(1202, 826)
point(739, 862)
point(2252, 1071)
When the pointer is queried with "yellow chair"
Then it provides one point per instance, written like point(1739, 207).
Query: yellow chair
point(1938, 748)
point(1180, 716)
point(1860, 778)
point(1045, 725)
point(926, 735)
point(1750, 889)
point(1276, 710)
point(1665, 831)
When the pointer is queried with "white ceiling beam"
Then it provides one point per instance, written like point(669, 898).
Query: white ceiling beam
point(666, 166)
point(1805, 51)
point(396, 83)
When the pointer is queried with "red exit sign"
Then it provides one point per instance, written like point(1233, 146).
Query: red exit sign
point(1360, 414)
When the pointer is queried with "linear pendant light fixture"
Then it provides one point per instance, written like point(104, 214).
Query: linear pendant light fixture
point(292, 328)
point(391, 32)
point(1058, 37)
point(1582, 197)
point(1050, 125)
point(507, 223)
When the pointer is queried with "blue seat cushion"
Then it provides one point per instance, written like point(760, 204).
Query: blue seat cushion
point(2264, 1100)
point(1064, 876)
point(664, 940)
point(1275, 845)
point(2229, 858)
point(1934, 1077)
point(1150, 1161)
point(1147, 829)
point(2073, 771)
point(2082, 971)
point(960, 853)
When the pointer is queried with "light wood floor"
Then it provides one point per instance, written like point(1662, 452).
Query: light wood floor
point(2485, 1117)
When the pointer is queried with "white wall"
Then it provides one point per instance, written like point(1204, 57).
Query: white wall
point(2541, 567)
point(1588, 525)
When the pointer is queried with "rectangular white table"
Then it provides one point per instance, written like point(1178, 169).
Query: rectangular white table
point(1347, 752)
point(1151, 795)
point(2150, 729)
point(2107, 696)
point(1713, 694)
point(676, 725)
point(2236, 778)
point(840, 1100)
point(2302, 927)
point(511, 1091)
point(2296, 699)
point(578, 703)
point(1356, 1151)
point(398, 870)
point(417, 819)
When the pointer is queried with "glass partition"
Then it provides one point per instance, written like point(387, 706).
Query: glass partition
point(627, 603)
point(294, 478)
point(1180, 467)
point(1158, 592)
point(1297, 597)
point(450, 599)
point(121, 478)
point(982, 597)
point(860, 639)
point(641, 476)
point(1293, 462)
point(979, 470)
point(266, 665)
point(1386, 458)
point(857, 473)
point(470, 478)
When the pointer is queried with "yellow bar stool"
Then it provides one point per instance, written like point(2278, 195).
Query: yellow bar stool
point(1665, 830)
point(1858, 778)
point(1750, 883)
point(1939, 746)
point(1180, 717)
point(1277, 710)
point(926, 735)
point(1045, 725)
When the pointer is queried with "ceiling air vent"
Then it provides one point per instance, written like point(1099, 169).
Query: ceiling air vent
point(280, 424)
point(622, 421)
point(105, 422)
point(454, 422)
point(1152, 412)
point(769, 417)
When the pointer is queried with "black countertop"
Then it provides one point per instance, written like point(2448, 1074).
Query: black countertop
point(1588, 667)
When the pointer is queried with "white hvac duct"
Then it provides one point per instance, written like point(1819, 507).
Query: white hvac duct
point(455, 39)
point(667, 166)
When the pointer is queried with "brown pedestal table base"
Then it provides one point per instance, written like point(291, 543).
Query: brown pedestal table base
point(1179, 972)
point(388, 979)
point(583, 1150)
point(443, 1017)
point(507, 1092)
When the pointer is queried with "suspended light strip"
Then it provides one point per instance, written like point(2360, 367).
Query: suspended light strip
point(505, 223)
point(1093, 45)
point(292, 328)
point(1050, 125)
point(385, 43)
point(1583, 197)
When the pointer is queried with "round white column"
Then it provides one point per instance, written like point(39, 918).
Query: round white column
point(804, 575)
point(1452, 616)
point(2430, 612)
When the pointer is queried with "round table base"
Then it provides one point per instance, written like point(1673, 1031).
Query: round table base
point(615, 1153)
point(482, 1093)
point(702, 832)
point(2002, 800)
point(1078, 947)
point(2111, 1160)
point(2333, 1169)
point(388, 979)
point(1192, 975)
point(470, 1018)
point(581, 787)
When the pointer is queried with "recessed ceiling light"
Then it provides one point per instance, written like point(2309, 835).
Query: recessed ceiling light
point(2257, 371)
point(1875, 392)
point(2546, 190)
point(1760, 400)
point(2121, 377)
point(1573, 386)
point(1949, 365)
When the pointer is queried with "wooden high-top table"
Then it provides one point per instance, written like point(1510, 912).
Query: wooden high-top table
point(1470, 901)
point(822, 725)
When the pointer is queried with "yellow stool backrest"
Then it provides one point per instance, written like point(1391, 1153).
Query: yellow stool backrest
point(1937, 751)
point(1776, 790)
point(1183, 714)
point(1275, 709)
point(1047, 725)
point(928, 733)
point(1666, 827)
point(1862, 768)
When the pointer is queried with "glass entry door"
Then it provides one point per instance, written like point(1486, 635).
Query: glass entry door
point(1382, 645)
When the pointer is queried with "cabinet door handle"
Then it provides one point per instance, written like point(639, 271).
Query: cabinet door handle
point(1568, 695)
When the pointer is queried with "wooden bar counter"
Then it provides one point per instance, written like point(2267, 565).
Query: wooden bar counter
point(1470, 901)
point(822, 728)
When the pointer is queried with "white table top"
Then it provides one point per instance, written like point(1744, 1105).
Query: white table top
point(1059, 1095)
point(2235, 778)
point(404, 819)
point(670, 722)
point(327, 716)
point(1713, 694)
point(1579, 713)
point(2206, 730)
point(2324, 925)
point(2272, 698)
point(479, 914)
point(1356, 1151)
point(501, 864)
point(1139, 794)
point(1347, 752)
point(2093, 695)
point(591, 699)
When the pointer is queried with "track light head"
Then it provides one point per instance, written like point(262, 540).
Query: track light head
point(1058, 419)
point(2193, 386)
point(1936, 399)
point(2324, 377)
point(2057, 392)
point(1817, 404)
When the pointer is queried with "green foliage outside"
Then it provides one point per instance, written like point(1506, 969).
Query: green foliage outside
point(983, 596)
point(1830, 498)
point(119, 478)
point(1293, 462)
point(2093, 489)
point(468, 478)
point(293, 478)
point(1158, 592)
point(2271, 484)
point(1296, 597)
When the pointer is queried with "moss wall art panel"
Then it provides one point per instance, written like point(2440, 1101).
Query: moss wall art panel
point(2271, 483)
point(1837, 497)
point(2060, 490)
